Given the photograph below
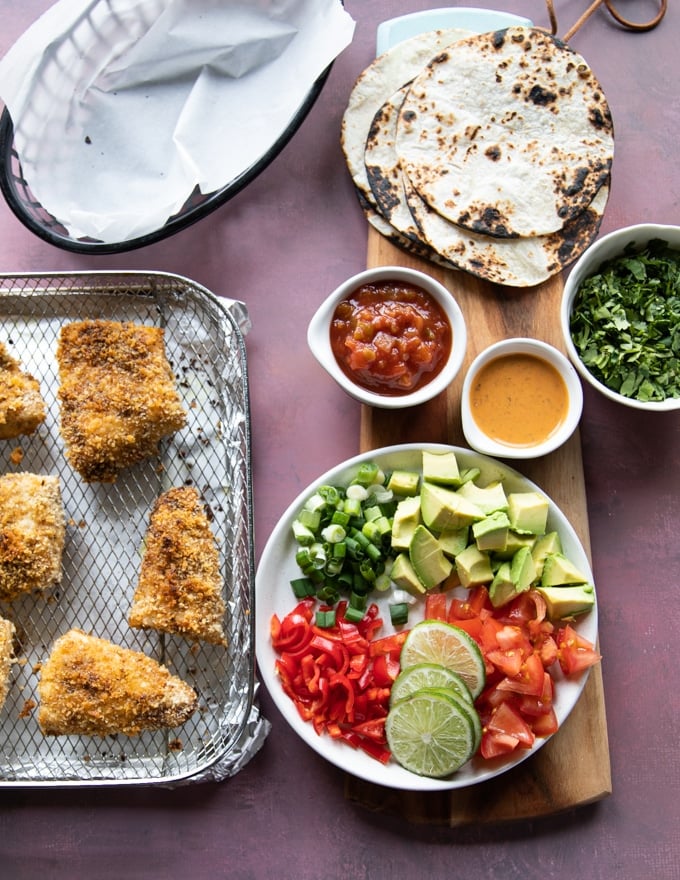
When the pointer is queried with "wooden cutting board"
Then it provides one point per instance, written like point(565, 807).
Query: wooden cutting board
point(573, 768)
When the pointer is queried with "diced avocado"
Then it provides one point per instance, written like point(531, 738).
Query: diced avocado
point(441, 468)
point(469, 474)
point(404, 482)
point(491, 533)
point(452, 541)
point(512, 577)
point(514, 542)
point(442, 508)
point(558, 570)
point(428, 559)
point(406, 518)
point(502, 587)
point(488, 498)
point(546, 544)
point(522, 569)
point(474, 567)
point(568, 601)
point(528, 512)
point(404, 576)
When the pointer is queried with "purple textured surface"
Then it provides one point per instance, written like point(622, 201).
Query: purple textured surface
point(281, 245)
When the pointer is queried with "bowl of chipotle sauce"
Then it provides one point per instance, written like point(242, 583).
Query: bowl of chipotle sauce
point(391, 337)
point(521, 399)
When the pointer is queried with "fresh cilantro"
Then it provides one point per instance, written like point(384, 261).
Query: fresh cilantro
point(625, 323)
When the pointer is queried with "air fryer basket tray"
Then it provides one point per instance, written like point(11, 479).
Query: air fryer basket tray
point(106, 526)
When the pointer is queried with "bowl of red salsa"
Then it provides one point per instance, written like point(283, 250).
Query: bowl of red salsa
point(391, 336)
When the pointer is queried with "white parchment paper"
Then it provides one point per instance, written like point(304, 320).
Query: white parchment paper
point(121, 108)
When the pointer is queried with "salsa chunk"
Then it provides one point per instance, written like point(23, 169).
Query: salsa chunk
point(391, 337)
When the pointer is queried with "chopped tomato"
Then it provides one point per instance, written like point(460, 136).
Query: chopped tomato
point(529, 679)
point(574, 652)
point(506, 719)
point(436, 606)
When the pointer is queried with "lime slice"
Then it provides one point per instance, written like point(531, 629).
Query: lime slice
point(428, 675)
point(433, 641)
point(431, 733)
point(466, 705)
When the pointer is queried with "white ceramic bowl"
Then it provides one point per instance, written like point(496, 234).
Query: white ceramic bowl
point(480, 441)
point(606, 248)
point(318, 337)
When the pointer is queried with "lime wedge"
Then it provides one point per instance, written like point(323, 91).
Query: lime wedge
point(431, 733)
point(428, 675)
point(433, 641)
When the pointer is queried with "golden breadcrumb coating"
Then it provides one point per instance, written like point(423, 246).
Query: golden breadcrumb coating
point(180, 588)
point(7, 631)
point(22, 407)
point(117, 394)
point(91, 686)
point(32, 533)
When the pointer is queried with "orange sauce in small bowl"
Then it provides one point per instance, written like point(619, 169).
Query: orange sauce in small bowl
point(518, 399)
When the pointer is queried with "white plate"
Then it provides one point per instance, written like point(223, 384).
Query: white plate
point(274, 596)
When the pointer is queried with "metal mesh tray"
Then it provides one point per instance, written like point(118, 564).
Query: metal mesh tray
point(106, 526)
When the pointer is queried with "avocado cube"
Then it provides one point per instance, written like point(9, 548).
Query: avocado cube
point(513, 544)
point(545, 544)
point(502, 588)
point(441, 468)
point(474, 567)
point(522, 569)
point(571, 601)
point(404, 482)
point(404, 576)
point(428, 559)
point(558, 571)
point(528, 512)
point(406, 518)
point(442, 508)
point(453, 541)
point(488, 498)
point(491, 533)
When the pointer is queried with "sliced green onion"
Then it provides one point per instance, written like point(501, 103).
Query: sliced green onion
point(315, 502)
point(399, 613)
point(355, 492)
point(341, 518)
point(333, 533)
point(382, 582)
point(325, 618)
point(317, 554)
point(354, 615)
point(303, 588)
point(302, 533)
point(367, 473)
point(328, 594)
point(310, 518)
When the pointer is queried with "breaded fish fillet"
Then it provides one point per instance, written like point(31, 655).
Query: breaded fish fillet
point(32, 533)
point(22, 407)
point(91, 686)
point(7, 631)
point(117, 394)
point(180, 587)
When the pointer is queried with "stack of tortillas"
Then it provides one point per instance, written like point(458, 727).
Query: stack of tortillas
point(489, 153)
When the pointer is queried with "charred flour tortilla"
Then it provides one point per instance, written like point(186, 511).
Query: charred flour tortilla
point(389, 72)
point(383, 169)
point(506, 133)
point(515, 262)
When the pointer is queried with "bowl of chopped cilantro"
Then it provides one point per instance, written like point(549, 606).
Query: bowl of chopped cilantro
point(620, 316)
